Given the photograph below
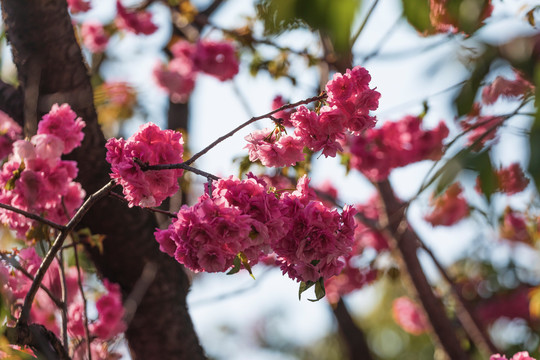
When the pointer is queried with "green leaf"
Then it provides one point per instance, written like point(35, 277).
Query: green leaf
point(237, 265)
point(245, 262)
point(10, 184)
point(303, 287)
point(481, 163)
point(417, 14)
point(320, 292)
point(465, 100)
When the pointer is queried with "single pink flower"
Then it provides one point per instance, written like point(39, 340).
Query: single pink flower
point(138, 22)
point(448, 208)
point(78, 6)
point(217, 59)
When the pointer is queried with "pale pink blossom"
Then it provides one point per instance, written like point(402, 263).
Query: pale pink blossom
point(448, 208)
point(409, 316)
point(138, 22)
point(153, 146)
point(76, 319)
point(274, 149)
point(95, 38)
point(62, 122)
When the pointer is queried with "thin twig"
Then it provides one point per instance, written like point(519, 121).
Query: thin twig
point(17, 265)
point(25, 312)
point(139, 289)
point(152, 209)
point(85, 311)
point(63, 309)
point(363, 25)
point(146, 167)
point(33, 216)
point(250, 121)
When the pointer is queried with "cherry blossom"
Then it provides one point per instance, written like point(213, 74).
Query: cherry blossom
point(138, 22)
point(78, 6)
point(409, 316)
point(94, 36)
point(153, 146)
point(448, 208)
point(502, 87)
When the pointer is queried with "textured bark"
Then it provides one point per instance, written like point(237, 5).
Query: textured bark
point(11, 101)
point(43, 43)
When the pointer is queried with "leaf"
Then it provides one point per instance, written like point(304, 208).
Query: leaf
point(417, 14)
point(481, 163)
point(303, 287)
point(530, 16)
point(10, 184)
point(465, 99)
point(320, 292)
point(245, 262)
point(237, 265)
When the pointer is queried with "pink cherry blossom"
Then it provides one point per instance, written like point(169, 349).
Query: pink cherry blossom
point(177, 78)
point(511, 179)
point(376, 152)
point(10, 131)
point(138, 22)
point(274, 149)
point(284, 115)
point(94, 36)
point(217, 59)
point(480, 128)
point(78, 6)
point(62, 122)
point(502, 87)
point(522, 355)
point(153, 146)
point(409, 316)
point(110, 313)
point(448, 208)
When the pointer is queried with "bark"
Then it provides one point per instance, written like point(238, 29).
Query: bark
point(43, 43)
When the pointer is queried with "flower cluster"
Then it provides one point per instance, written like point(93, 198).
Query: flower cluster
point(152, 146)
point(409, 316)
point(377, 151)
point(511, 179)
point(243, 218)
point(480, 128)
point(138, 22)
point(514, 227)
point(217, 59)
point(522, 355)
point(349, 102)
point(36, 179)
point(448, 208)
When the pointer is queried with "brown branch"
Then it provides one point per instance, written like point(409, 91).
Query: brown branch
point(251, 121)
point(466, 316)
point(33, 216)
point(353, 335)
point(405, 242)
point(146, 167)
point(37, 337)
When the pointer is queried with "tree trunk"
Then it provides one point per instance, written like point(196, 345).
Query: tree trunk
point(49, 60)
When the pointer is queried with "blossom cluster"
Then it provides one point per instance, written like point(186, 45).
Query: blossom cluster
point(445, 16)
point(36, 179)
point(152, 146)
point(349, 102)
point(448, 208)
point(522, 355)
point(110, 311)
point(96, 37)
point(217, 59)
point(480, 128)
point(377, 151)
point(244, 217)
point(510, 179)
point(502, 87)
